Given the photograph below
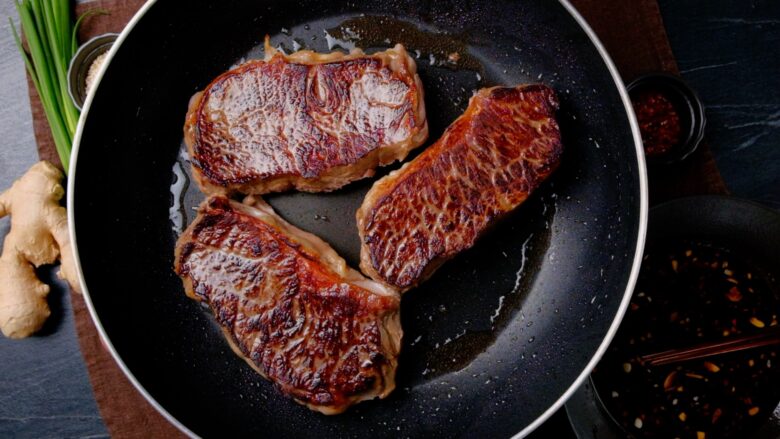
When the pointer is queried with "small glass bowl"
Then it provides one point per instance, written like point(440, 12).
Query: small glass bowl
point(80, 63)
point(687, 104)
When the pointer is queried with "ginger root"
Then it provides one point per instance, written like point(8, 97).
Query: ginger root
point(38, 235)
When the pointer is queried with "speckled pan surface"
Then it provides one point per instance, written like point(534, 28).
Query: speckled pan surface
point(492, 343)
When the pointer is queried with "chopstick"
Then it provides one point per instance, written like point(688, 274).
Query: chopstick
point(768, 337)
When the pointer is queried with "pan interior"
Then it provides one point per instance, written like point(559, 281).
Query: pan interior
point(490, 342)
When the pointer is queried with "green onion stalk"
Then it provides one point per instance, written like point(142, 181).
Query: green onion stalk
point(51, 39)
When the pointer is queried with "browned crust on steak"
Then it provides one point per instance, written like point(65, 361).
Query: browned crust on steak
point(289, 305)
point(485, 165)
point(308, 121)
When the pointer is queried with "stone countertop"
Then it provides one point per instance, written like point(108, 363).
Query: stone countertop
point(726, 49)
point(44, 387)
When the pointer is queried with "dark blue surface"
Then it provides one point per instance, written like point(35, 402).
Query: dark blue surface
point(726, 49)
point(44, 389)
point(729, 52)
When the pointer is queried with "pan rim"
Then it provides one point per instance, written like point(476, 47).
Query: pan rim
point(72, 228)
point(640, 243)
point(642, 232)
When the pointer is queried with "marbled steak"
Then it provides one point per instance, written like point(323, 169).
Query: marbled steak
point(306, 121)
point(289, 305)
point(485, 165)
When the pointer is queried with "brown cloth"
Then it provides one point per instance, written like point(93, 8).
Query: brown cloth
point(631, 31)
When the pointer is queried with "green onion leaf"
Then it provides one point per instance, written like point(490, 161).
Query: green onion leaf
point(51, 42)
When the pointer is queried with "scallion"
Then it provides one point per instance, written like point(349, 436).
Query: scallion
point(51, 39)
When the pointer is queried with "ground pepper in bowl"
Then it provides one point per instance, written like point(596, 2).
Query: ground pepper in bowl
point(689, 293)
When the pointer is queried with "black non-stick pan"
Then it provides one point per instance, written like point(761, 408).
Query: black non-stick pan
point(493, 343)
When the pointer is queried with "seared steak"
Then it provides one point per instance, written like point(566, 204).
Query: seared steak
point(289, 305)
point(485, 165)
point(309, 121)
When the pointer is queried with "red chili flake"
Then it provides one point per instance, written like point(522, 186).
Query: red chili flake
point(658, 120)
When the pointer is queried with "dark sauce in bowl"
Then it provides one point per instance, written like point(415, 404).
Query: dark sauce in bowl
point(689, 293)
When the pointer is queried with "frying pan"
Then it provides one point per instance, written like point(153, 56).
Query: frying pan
point(493, 344)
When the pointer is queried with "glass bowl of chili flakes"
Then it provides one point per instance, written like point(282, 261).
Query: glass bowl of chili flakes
point(670, 116)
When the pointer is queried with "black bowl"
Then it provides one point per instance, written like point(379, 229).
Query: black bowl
point(687, 104)
point(739, 225)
